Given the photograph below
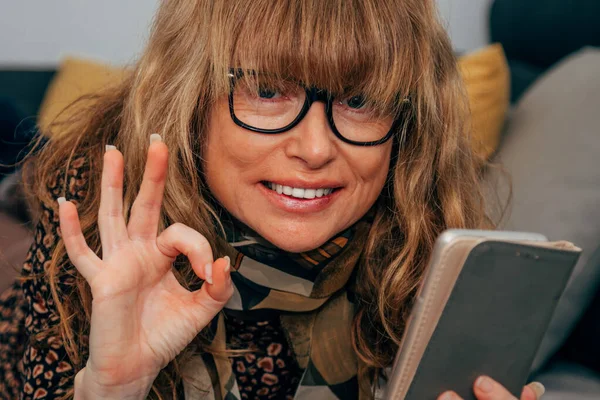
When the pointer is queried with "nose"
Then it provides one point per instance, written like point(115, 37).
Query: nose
point(312, 141)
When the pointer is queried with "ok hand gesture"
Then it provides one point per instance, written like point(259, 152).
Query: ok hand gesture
point(141, 316)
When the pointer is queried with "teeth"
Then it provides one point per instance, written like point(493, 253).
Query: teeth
point(309, 193)
point(298, 192)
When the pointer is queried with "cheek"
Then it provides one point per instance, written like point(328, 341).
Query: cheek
point(230, 145)
point(372, 168)
point(219, 158)
point(231, 156)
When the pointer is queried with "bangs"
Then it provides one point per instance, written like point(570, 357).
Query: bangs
point(346, 47)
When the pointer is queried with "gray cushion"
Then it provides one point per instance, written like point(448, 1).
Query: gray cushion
point(570, 381)
point(552, 152)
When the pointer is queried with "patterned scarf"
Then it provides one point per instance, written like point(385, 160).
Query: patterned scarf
point(307, 290)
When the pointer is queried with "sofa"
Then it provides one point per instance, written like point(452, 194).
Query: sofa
point(550, 147)
point(548, 141)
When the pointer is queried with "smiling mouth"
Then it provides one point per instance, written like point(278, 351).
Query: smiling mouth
point(299, 193)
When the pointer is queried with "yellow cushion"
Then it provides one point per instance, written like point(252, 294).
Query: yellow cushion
point(75, 78)
point(487, 80)
point(485, 73)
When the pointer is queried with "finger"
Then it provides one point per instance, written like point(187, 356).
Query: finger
point(145, 213)
point(110, 215)
point(82, 257)
point(203, 304)
point(449, 396)
point(221, 288)
point(486, 388)
point(533, 391)
point(180, 239)
point(211, 298)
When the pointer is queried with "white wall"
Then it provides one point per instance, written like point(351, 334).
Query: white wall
point(467, 22)
point(40, 32)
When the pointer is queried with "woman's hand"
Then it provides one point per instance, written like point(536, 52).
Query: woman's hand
point(486, 388)
point(141, 316)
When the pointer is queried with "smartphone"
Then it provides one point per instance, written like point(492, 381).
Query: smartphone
point(482, 309)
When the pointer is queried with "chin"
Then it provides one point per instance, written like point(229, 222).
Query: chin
point(293, 242)
point(296, 246)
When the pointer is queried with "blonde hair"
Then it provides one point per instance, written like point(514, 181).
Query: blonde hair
point(385, 49)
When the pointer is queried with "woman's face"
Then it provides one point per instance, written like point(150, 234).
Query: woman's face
point(242, 169)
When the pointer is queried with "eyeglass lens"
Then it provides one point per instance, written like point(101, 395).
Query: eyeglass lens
point(269, 106)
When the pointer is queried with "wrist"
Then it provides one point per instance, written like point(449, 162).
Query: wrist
point(88, 388)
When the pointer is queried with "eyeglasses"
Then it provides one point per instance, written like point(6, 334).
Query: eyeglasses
point(260, 106)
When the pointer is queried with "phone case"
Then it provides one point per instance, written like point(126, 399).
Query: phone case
point(483, 309)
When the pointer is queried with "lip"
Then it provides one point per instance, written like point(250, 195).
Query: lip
point(299, 206)
point(296, 183)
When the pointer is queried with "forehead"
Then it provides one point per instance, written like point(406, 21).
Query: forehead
point(326, 45)
point(261, 80)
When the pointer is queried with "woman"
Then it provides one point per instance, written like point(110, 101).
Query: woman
point(314, 151)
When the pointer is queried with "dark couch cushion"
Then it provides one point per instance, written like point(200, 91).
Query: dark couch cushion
point(582, 347)
point(536, 34)
point(16, 135)
point(522, 76)
point(25, 88)
point(541, 32)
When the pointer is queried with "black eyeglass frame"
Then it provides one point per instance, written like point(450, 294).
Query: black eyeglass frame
point(313, 94)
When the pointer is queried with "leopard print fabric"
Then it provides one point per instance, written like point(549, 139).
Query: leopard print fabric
point(13, 310)
point(41, 369)
point(38, 368)
point(270, 370)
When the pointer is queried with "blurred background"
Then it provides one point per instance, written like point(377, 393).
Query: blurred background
point(532, 73)
point(39, 33)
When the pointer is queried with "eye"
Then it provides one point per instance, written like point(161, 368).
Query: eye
point(355, 102)
point(267, 93)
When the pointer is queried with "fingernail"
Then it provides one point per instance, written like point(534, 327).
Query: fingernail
point(484, 384)
point(228, 266)
point(447, 396)
point(155, 137)
point(109, 147)
point(208, 273)
point(538, 388)
point(61, 200)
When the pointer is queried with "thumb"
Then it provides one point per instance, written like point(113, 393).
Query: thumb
point(221, 288)
point(533, 391)
point(215, 292)
point(205, 303)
